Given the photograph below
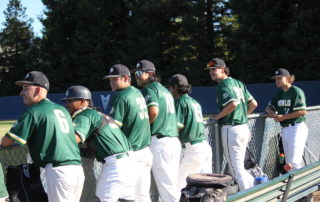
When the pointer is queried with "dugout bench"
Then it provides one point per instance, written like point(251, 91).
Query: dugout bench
point(289, 187)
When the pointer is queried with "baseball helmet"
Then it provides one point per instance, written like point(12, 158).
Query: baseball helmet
point(77, 92)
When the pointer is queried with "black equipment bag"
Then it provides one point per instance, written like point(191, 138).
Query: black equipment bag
point(281, 151)
point(207, 188)
point(24, 184)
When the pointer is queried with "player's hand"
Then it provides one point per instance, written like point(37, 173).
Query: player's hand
point(279, 118)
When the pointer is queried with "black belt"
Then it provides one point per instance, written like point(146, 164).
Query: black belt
point(288, 124)
point(192, 143)
point(159, 136)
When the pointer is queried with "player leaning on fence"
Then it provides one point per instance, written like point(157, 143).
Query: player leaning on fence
point(129, 110)
point(235, 103)
point(116, 180)
point(196, 152)
point(165, 145)
point(47, 129)
point(288, 107)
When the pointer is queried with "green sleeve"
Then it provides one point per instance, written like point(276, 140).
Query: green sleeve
point(300, 101)
point(118, 110)
point(22, 130)
point(273, 103)
point(82, 126)
point(247, 95)
point(151, 98)
point(180, 112)
point(225, 95)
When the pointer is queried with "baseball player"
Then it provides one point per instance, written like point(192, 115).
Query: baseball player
point(129, 111)
point(288, 107)
point(196, 153)
point(165, 145)
point(48, 130)
point(235, 103)
point(116, 181)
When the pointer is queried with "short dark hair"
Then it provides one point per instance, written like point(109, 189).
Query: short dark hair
point(227, 71)
point(185, 89)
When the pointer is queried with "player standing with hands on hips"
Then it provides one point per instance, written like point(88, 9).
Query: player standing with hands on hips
point(48, 130)
point(235, 103)
point(288, 107)
point(129, 110)
point(165, 145)
point(196, 153)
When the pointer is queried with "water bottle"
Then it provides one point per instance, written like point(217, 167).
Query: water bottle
point(281, 159)
point(260, 179)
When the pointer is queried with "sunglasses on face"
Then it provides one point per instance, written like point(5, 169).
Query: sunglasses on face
point(140, 72)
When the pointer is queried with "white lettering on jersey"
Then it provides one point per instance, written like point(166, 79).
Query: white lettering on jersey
point(105, 101)
point(63, 123)
point(284, 103)
point(198, 112)
point(169, 103)
point(143, 108)
point(239, 94)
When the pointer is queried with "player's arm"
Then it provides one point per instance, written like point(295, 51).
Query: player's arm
point(153, 112)
point(252, 105)
point(271, 112)
point(292, 115)
point(226, 110)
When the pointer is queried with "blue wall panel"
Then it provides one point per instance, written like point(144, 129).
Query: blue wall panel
point(12, 106)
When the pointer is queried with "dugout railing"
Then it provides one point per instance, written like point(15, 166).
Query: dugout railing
point(263, 144)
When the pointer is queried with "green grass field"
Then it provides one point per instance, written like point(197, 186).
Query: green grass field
point(5, 127)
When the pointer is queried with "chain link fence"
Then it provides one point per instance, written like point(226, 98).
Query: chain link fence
point(263, 144)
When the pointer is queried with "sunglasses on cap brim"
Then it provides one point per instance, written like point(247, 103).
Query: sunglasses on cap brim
point(139, 73)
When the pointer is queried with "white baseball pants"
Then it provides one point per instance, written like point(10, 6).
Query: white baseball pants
point(64, 183)
point(166, 157)
point(144, 160)
point(294, 139)
point(235, 140)
point(117, 179)
point(196, 158)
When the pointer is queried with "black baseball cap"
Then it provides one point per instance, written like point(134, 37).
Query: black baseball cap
point(281, 72)
point(35, 78)
point(145, 65)
point(118, 70)
point(179, 80)
point(215, 63)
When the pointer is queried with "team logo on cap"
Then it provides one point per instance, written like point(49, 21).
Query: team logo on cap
point(111, 70)
point(27, 77)
point(138, 65)
point(277, 72)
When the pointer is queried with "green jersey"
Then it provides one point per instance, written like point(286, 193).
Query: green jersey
point(129, 111)
point(288, 102)
point(47, 128)
point(165, 124)
point(109, 140)
point(189, 119)
point(232, 90)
